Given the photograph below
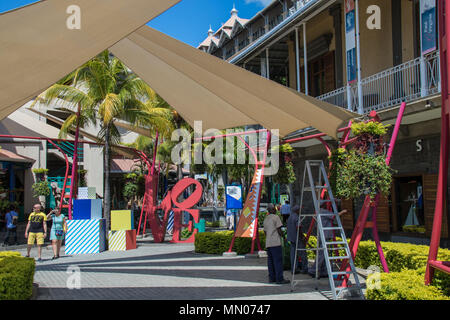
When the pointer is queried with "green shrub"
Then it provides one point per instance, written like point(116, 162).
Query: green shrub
point(418, 229)
point(405, 285)
point(398, 256)
point(219, 242)
point(215, 224)
point(16, 276)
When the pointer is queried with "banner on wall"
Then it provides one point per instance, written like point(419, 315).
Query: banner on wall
point(350, 40)
point(428, 25)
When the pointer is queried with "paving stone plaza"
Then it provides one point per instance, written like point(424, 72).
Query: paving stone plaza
point(164, 272)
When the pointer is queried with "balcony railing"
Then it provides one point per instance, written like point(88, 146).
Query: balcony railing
point(412, 80)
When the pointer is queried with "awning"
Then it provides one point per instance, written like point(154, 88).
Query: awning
point(9, 156)
point(37, 52)
point(37, 48)
point(123, 165)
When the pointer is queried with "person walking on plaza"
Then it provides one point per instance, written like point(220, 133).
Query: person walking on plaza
point(36, 230)
point(294, 231)
point(285, 211)
point(11, 219)
point(272, 229)
point(57, 232)
point(230, 219)
point(327, 222)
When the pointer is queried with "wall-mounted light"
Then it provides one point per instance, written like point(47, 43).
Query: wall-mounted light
point(429, 104)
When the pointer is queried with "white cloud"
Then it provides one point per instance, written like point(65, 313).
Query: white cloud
point(261, 2)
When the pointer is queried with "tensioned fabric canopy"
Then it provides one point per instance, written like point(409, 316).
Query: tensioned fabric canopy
point(36, 50)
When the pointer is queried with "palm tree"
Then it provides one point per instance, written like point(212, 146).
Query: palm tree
point(103, 90)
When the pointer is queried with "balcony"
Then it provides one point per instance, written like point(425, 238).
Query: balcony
point(410, 81)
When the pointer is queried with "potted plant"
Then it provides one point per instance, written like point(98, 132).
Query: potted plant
point(130, 188)
point(40, 188)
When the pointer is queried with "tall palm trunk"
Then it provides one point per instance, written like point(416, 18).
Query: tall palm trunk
point(107, 186)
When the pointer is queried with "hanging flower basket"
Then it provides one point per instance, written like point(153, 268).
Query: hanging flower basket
point(363, 170)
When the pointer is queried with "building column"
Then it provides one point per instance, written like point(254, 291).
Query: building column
point(358, 55)
point(336, 13)
point(297, 58)
point(305, 58)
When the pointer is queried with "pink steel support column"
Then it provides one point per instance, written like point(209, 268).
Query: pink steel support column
point(441, 196)
point(259, 166)
point(152, 200)
point(66, 159)
point(368, 206)
point(73, 180)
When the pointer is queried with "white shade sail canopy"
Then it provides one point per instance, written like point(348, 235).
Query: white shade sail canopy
point(37, 50)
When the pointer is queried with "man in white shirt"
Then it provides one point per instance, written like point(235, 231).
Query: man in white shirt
point(272, 228)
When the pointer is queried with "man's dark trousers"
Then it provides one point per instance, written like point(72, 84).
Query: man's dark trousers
point(275, 263)
point(10, 232)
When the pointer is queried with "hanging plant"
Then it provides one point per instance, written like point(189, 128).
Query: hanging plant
point(370, 137)
point(363, 170)
point(40, 173)
point(363, 174)
point(286, 173)
point(337, 159)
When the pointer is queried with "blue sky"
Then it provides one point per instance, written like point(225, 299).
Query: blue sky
point(189, 20)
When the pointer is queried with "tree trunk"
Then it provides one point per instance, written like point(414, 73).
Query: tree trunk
point(107, 186)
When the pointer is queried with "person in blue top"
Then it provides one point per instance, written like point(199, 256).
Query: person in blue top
point(57, 233)
point(11, 225)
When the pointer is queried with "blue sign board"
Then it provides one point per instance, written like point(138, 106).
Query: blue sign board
point(233, 197)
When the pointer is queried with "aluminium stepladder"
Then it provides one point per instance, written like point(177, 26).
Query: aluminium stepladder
point(316, 187)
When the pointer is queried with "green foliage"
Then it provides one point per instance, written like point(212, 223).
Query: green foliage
point(403, 256)
point(337, 160)
point(362, 174)
point(220, 193)
point(16, 276)
point(418, 229)
point(215, 224)
point(405, 285)
point(286, 173)
point(130, 190)
point(5, 204)
point(40, 189)
point(219, 242)
point(371, 127)
point(40, 171)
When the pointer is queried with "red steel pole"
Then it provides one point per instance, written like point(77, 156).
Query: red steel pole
point(441, 196)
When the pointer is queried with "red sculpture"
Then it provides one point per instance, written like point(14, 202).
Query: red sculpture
point(171, 203)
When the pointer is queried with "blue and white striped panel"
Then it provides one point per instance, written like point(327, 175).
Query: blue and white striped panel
point(170, 222)
point(84, 236)
point(117, 240)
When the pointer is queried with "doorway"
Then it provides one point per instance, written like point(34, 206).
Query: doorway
point(409, 204)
